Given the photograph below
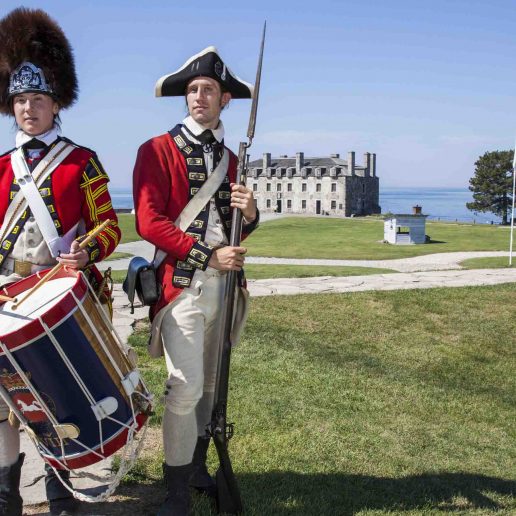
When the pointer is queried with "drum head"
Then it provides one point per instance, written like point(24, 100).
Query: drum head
point(46, 297)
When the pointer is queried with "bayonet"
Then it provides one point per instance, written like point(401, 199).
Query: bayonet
point(256, 94)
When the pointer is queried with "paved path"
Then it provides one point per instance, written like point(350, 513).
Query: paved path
point(428, 262)
point(395, 281)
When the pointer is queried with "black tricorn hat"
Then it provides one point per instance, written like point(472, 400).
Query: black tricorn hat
point(206, 63)
point(35, 56)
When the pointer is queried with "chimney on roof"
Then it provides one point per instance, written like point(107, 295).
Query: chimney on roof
point(416, 210)
point(335, 156)
point(300, 161)
point(351, 163)
point(367, 164)
point(266, 160)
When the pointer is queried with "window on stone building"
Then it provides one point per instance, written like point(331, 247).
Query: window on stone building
point(289, 187)
point(255, 187)
point(303, 187)
point(278, 187)
point(268, 203)
point(334, 187)
point(303, 205)
point(289, 204)
point(268, 187)
point(333, 205)
point(318, 187)
point(363, 187)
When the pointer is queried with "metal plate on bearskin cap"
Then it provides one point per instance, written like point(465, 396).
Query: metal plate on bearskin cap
point(207, 63)
point(28, 78)
point(35, 57)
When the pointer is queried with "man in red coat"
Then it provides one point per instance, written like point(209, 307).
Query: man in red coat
point(37, 80)
point(169, 171)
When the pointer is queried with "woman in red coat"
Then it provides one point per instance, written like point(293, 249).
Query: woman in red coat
point(37, 79)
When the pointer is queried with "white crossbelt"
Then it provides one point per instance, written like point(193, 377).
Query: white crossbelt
point(198, 201)
point(30, 191)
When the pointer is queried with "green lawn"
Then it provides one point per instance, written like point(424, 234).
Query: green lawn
point(126, 223)
point(118, 276)
point(310, 237)
point(498, 262)
point(373, 403)
point(357, 238)
point(116, 256)
point(288, 271)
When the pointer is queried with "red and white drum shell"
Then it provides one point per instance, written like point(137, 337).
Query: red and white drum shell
point(64, 369)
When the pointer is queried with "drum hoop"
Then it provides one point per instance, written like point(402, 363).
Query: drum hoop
point(130, 426)
point(125, 465)
point(52, 317)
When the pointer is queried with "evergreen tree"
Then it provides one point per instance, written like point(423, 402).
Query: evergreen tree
point(492, 184)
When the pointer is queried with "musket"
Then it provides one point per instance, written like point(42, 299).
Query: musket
point(228, 493)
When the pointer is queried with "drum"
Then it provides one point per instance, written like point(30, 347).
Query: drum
point(66, 372)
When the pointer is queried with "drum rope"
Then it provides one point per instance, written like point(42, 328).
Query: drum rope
point(28, 384)
point(68, 364)
point(104, 316)
point(125, 465)
point(97, 335)
point(109, 324)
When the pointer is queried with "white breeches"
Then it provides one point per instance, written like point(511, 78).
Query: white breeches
point(190, 331)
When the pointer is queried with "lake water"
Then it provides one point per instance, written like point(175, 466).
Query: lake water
point(447, 204)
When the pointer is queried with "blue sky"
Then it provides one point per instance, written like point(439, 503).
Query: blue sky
point(427, 86)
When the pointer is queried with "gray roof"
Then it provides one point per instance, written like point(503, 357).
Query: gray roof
point(307, 162)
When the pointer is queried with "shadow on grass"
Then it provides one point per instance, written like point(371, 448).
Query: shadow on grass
point(297, 494)
point(349, 494)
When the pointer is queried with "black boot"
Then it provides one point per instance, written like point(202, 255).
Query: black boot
point(177, 502)
point(60, 500)
point(10, 500)
point(201, 480)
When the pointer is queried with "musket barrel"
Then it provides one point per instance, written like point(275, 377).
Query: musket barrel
point(228, 493)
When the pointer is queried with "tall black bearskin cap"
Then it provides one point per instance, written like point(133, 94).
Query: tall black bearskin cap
point(206, 63)
point(35, 56)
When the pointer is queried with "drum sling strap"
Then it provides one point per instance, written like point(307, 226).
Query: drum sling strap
point(29, 190)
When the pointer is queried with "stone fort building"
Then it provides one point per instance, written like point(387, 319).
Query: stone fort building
point(315, 186)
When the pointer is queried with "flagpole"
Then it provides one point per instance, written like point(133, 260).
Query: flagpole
point(513, 196)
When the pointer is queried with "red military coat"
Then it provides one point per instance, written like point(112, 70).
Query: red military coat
point(161, 191)
point(77, 189)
